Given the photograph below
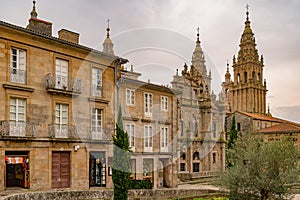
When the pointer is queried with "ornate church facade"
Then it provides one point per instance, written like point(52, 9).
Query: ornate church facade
point(201, 145)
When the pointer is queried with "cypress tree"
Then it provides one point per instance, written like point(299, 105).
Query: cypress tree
point(121, 161)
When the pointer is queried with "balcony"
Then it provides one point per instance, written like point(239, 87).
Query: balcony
point(100, 134)
point(17, 129)
point(62, 131)
point(63, 85)
point(17, 75)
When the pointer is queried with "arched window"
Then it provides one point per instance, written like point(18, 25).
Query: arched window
point(245, 77)
point(253, 76)
point(258, 76)
point(238, 78)
point(182, 156)
point(196, 156)
point(201, 88)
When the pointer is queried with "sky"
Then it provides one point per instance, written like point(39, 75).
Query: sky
point(158, 36)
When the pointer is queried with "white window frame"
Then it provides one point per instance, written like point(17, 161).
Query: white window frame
point(164, 138)
point(17, 112)
point(61, 120)
point(17, 65)
point(61, 73)
point(97, 87)
point(97, 123)
point(148, 101)
point(148, 138)
point(130, 129)
point(164, 103)
point(130, 95)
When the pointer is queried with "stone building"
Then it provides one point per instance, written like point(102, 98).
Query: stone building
point(247, 91)
point(246, 94)
point(201, 144)
point(57, 105)
point(150, 118)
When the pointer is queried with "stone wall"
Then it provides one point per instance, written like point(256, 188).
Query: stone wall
point(108, 194)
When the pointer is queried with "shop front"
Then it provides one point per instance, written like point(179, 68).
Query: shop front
point(97, 169)
point(17, 169)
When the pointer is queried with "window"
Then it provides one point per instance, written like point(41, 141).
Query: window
point(148, 169)
point(195, 129)
point(164, 138)
point(182, 156)
point(148, 104)
point(164, 103)
point(196, 156)
point(96, 82)
point(97, 123)
point(17, 113)
point(245, 77)
point(130, 132)
point(61, 74)
point(196, 167)
point(18, 66)
point(238, 126)
point(214, 129)
point(148, 138)
point(258, 125)
point(181, 128)
point(132, 169)
point(266, 125)
point(61, 120)
point(129, 97)
point(214, 157)
point(182, 167)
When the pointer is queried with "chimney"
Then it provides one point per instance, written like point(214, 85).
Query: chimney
point(68, 36)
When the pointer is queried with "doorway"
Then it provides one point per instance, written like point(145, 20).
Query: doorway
point(17, 169)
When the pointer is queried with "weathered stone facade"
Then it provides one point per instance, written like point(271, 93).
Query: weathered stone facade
point(201, 144)
point(149, 107)
point(247, 91)
point(56, 120)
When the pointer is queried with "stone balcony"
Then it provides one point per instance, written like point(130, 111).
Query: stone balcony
point(62, 85)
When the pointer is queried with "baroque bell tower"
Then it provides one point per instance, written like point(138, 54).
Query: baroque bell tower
point(247, 91)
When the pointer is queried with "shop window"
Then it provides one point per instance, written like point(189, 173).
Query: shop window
point(97, 169)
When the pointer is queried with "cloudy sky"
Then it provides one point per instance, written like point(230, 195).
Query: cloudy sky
point(158, 36)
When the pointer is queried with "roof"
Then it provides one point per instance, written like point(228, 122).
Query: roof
point(263, 117)
point(139, 83)
point(25, 30)
point(281, 128)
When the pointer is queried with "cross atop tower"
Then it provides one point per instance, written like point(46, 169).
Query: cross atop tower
point(247, 13)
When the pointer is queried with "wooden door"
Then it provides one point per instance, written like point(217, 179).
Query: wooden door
point(60, 169)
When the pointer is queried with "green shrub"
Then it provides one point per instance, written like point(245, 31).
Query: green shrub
point(140, 184)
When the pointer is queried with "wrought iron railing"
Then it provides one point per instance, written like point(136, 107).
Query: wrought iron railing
point(62, 131)
point(100, 134)
point(63, 83)
point(17, 75)
point(17, 129)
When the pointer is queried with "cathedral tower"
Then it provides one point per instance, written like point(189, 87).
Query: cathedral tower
point(247, 91)
point(108, 46)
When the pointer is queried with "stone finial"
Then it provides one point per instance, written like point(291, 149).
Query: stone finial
point(33, 13)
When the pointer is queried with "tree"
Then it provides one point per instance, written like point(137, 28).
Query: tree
point(233, 134)
point(260, 170)
point(121, 161)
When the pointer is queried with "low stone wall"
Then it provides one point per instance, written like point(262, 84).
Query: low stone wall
point(161, 194)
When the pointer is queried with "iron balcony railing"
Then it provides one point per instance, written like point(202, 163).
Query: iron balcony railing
point(63, 83)
point(17, 75)
point(96, 91)
point(62, 131)
point(99, 133)
point(17, 129)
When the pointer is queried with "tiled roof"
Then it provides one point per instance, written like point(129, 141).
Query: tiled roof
point(19, 28)
point(281, 128)
point(263, 117)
